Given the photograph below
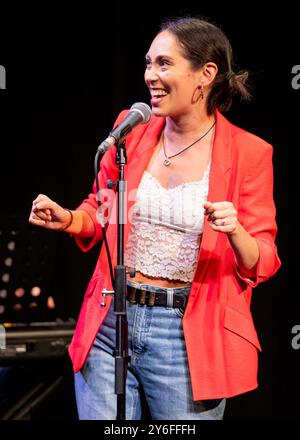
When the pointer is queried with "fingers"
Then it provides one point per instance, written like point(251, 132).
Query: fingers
point(42, 202)
point(219, 210)
point(209, 207)
point(42, 215)
point(228, 221)
point(41, 210)
point(40, 198)
point(221, 215)
point(35, 220)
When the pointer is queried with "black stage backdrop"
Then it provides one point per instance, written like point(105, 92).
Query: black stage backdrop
point(69, 74)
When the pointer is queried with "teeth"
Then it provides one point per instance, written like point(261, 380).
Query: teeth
point(156, 93)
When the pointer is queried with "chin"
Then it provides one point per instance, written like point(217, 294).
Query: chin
point(158, 111)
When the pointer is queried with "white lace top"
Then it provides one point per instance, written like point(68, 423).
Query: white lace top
point(166, 228)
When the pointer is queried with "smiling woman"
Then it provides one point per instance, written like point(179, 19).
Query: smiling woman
point(201, 236)
point(197, 46)
point(2, 77)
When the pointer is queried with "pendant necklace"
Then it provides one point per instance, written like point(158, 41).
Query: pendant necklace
point(167, 158)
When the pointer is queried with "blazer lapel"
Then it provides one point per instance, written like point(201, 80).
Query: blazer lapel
point(138, 161)
point(218, 185)
point(221, 161)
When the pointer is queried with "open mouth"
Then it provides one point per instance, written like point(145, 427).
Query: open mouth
point(158, 95)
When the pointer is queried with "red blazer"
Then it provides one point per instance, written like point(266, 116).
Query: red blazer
point(220, 336)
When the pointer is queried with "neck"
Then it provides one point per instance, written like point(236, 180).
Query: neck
point(188, 127)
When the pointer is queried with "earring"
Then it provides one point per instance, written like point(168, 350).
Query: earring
point(198, 93)
point(202, 90)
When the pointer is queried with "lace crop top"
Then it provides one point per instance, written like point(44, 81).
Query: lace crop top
point(166, 228)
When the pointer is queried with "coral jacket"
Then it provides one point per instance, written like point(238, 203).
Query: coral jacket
point(221, 340)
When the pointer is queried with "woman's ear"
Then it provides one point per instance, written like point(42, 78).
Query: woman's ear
point(208, 73)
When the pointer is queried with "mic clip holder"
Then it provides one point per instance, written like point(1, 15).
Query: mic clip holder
point(131, 272)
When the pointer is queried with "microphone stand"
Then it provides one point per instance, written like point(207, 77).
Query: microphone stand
point(121, 345)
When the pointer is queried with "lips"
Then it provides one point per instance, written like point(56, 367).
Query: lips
point(158, 95)
point(157, 100)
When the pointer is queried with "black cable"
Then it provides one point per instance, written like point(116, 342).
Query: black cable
point(96, 170)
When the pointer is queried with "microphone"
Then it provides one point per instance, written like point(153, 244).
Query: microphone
point(139, 113)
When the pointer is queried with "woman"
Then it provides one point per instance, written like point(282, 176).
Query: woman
point(200, 235)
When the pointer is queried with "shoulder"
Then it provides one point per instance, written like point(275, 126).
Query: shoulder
point(247, 140)
point(246, 147)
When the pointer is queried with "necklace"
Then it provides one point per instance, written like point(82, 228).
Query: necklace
point(167, 158)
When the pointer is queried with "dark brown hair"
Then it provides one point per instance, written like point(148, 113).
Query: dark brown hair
point(204, 42)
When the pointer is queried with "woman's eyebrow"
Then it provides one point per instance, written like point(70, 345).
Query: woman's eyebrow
point(158, 57)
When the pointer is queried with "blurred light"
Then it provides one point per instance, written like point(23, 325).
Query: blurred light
point(50, 303)
point(11, 245)
point(5, 277)
point(36, 291)
point(3, 293)
point(19, 292)
point(33, 305)
point(17, 307)
point(8, 262)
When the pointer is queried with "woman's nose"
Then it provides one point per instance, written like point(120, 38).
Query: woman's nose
point(151, 74)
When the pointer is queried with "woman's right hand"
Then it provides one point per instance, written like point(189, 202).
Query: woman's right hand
point(48, 214)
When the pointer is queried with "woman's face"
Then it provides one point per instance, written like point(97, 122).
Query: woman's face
point(172, 82)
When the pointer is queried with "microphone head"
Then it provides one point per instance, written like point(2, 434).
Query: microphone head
point(143, 109)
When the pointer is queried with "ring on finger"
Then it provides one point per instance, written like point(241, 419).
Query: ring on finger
point(222, 223)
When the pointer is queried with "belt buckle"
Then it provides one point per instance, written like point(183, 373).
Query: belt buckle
point(181, 308)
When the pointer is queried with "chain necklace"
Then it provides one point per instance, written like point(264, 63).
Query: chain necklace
point(167, 158)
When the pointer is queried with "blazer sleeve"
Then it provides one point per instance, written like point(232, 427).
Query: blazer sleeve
point(108, 170)
point(257, 213)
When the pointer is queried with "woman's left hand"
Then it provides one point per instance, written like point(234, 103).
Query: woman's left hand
point(222, 216)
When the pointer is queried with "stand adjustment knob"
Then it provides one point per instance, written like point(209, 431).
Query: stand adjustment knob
point(104, 293)
point(110, 183)
point(131, 272)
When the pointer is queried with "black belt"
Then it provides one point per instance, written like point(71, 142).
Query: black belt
point(157, 298)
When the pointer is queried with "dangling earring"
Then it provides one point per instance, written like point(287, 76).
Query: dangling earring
point(202, 90)
point(198, 93)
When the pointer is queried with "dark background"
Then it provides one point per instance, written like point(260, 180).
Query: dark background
point(69, 74)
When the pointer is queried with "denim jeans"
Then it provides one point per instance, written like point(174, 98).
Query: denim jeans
point(158, 368)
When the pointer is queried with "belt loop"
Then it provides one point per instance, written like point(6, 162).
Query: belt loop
point(170, 296)
point(142, 299)
point(151, 299)
point(131, 294)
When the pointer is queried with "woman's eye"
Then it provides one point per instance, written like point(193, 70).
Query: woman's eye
point(163, 63)
point(160, 63)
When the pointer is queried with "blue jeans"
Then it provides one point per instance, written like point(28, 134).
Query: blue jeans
point(158, 368)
